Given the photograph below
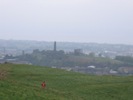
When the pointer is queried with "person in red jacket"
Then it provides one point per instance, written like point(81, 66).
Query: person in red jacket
point(43, 84)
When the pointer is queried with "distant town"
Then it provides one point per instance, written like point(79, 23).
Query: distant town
point(90, 58)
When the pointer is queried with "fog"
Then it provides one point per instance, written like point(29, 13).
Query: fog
point(101, 21)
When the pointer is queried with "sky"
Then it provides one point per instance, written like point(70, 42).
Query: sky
point(100, 21)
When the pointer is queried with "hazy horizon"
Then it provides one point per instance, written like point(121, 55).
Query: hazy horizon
point(97, 21)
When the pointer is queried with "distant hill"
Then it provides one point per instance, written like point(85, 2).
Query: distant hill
point(23, 82)
point(106, 58)
point(16, 46)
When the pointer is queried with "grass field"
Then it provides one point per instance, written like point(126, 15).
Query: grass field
point(23, 82)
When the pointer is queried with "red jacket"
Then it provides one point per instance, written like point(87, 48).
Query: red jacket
point(43, 85)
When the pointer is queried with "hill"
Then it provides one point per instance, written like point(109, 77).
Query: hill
point(15, 47)
point(23, 82)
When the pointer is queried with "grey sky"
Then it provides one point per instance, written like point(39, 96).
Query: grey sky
point(102, 21)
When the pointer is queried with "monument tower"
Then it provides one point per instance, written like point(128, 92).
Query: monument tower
point(55, 46)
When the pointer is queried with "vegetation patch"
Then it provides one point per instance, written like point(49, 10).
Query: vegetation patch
point(4, 71)
point(23, 82)
point(3, 74)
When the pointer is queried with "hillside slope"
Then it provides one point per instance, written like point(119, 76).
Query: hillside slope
point(23, 82)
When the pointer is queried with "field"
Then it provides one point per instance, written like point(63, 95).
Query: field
point(23, 82)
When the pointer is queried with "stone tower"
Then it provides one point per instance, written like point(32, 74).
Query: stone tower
point(55, 46)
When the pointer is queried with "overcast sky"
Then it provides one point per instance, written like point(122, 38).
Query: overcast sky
point(101, 21)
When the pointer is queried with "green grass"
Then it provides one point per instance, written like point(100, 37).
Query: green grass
point(23, 82)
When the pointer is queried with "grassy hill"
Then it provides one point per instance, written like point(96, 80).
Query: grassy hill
point(23, 82)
